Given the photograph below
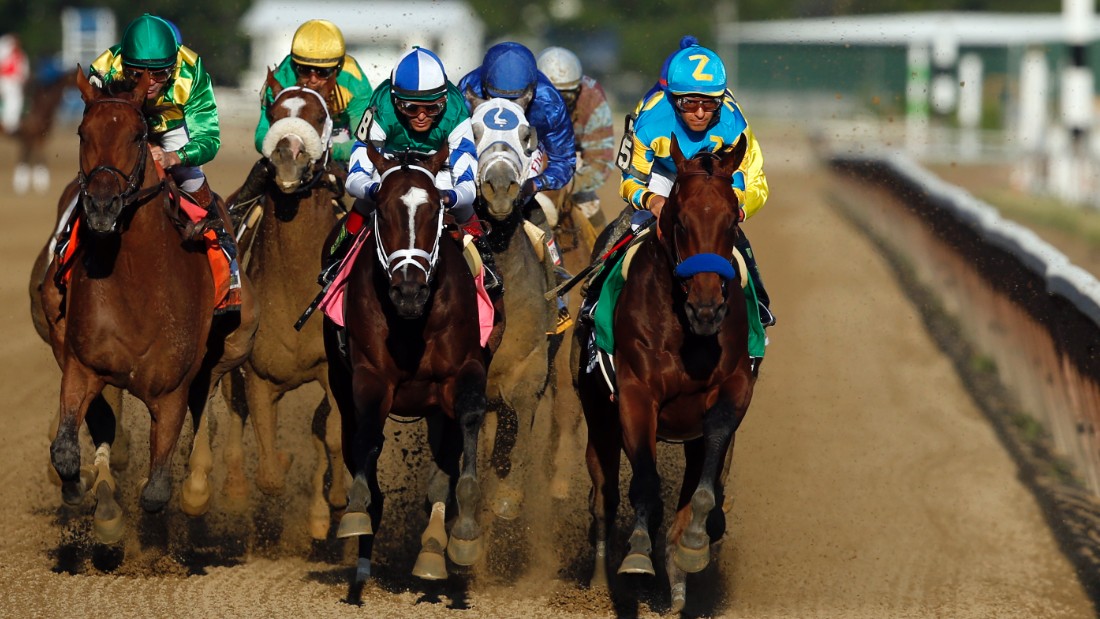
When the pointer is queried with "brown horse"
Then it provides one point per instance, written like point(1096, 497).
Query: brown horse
point(684, 374)
point(296, 211)
point(44, 98)
point(136, 312)
point(413, 350)
point(519, 375)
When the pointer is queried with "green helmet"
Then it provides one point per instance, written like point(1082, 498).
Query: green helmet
point(149, 42)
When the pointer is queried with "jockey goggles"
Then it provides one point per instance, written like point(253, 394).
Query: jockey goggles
point(303, 70)
point(412, 109)
point(158, 75)
point(692, 104)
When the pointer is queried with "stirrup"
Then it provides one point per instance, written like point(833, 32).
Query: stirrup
point(564, 322)
point(767, 318)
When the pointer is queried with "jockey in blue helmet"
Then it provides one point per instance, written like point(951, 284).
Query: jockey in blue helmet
point(509, 71)
point(698, 110)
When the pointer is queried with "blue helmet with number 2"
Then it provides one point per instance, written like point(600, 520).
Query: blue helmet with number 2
point(696, 70)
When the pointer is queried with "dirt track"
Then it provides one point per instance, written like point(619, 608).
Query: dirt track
point(866, 483)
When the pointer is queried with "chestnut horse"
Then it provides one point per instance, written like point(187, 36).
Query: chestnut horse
point(413, 350)
point(297, 210)
point(684, 373)
point(135, 312)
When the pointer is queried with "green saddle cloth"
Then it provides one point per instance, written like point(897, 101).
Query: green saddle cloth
point(613, 287)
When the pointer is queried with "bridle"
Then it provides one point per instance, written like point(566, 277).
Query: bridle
point(686, 268)
point(318, 166)
point(132, 191)
point(400, 258)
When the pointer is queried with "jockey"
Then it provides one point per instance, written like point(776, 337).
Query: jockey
point(508, 71)
point(593, 132)
point(180, 110)
point(702, 114)
point(14, 71)
point(316, 52)
point(418, 110)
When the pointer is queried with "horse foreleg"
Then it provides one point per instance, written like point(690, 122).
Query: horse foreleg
point(166, 420)
point(567, 421)
point(120, 446)
point(236, 485)
point(107, 520)
point(195, 495)
point(263, 400)
point(319, 516)
point(79, 388)
point(333, 441)
point(602, 455)
point(466, 545)
point(639, 419)
point(693, 545)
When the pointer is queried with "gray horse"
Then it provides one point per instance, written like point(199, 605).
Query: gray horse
point(519, 373)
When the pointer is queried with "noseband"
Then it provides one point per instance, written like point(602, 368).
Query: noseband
point(685, 268)
point(392, 261)
point(317, 166)
point(132, 182)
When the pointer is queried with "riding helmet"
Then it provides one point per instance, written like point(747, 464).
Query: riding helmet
point(318, 43)
point(149, 42)
point(418, 76)
point(508, 71)
point(562, 67)
point(696, 70)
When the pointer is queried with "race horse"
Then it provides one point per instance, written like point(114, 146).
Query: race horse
point(413, 350)
point(44, 98)
point(133, 308)
point(519, 375)
point(297, 209)
point(684, 374)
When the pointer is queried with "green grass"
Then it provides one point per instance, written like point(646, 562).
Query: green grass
point(1082, 222)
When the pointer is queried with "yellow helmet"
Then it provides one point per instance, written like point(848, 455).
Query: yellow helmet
point(318, 43)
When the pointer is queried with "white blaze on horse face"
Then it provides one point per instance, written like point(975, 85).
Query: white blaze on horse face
point(294, 106)
point(413, 198)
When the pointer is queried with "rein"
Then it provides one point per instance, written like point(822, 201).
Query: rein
point(392, 261)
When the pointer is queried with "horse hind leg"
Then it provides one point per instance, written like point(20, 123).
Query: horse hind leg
point(325, 424)
point(107, 521)
point(430, 563)
point(235, 489)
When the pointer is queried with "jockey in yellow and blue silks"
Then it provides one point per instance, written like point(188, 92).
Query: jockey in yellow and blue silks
point(509, 71)
point(702, 114)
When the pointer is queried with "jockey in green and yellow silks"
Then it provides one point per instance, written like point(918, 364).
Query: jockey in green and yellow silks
point(317, 51)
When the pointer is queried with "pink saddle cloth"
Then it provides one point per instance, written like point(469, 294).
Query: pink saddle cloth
point(333, 302)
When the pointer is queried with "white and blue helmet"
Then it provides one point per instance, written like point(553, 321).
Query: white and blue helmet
point(418, 76)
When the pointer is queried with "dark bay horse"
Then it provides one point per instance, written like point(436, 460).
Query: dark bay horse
point(519, 375)
point(413, 350)
point(684, 374)
point(296, 211)
point(135, 312)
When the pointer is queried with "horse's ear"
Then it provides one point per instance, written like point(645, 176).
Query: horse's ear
point(732, 156)
point(473, 99)
point(530, 139)
point(328, 86)
point(88, 91)
point(677, 154)
point(525, 99)
point(137, 93)
point(438, 161)
point(273, 84)
point(381, 163)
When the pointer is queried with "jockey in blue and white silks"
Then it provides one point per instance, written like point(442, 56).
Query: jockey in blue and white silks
point(508, 71)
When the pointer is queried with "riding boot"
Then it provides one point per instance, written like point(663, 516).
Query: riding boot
point(494, 283)
point(537, 216)
point(216, 221)
point(348, 228)
point(763, 301)
point(249, 192)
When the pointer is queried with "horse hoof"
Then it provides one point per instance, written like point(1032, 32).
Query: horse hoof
point(464, 552)
point(679, 598)
point(353, 524)
point(195, 498)
point(507, 504)
point(72, 492)
point(637, 563)
point(559, 489)
point(430, 566)
point(727, 505)
point(319, 520)
point(107, 521)
point(691, 560)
